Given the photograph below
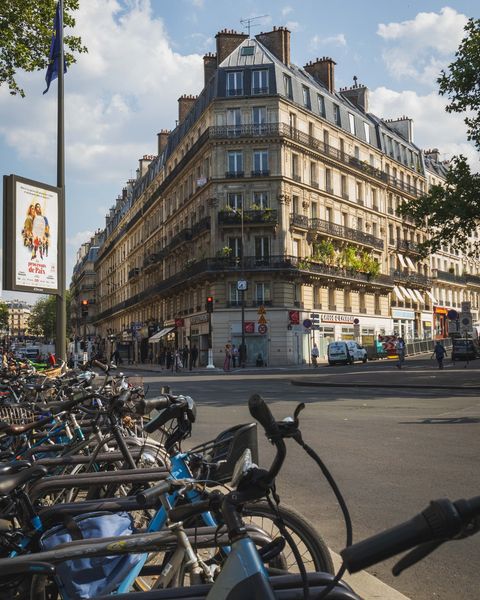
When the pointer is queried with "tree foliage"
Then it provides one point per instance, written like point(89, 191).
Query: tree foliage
point(451, 213)
point(43, 317)
point(3, 316)
point(25, 36)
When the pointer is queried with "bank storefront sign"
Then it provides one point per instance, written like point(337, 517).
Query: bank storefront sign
point(334, 318)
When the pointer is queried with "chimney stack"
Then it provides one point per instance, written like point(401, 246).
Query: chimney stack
point(162, 139)
point(403, 126)
point(278, 42)
point(209, 66)
point(323, 70)
point(434, 154)
point(227, 42)
point(358, 95)
point(185, 105)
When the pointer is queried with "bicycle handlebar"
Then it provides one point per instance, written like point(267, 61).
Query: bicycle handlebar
point(260, 411)
point(440, 521)
point(147, 497)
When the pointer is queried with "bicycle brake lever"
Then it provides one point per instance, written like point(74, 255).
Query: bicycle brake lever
point(416, 555)
point(298, 410)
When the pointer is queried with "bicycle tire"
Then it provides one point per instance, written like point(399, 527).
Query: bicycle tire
point(302, 531)
point(313, 550)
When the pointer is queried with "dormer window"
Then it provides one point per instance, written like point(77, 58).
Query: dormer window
point(306, 97)
point(235, 83)
point(260, 81)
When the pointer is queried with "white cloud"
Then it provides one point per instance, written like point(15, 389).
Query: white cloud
point(293, 26)
point(286, 10)
point(333, 40)
point(81, 237)
point(433, 127)
point(419, 48)
point(198, 3)
point(116, 96)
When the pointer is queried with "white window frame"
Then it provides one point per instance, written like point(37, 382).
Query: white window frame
point(235, 159)
point(260, 76)
point(235, 83)
point(260, 161)
point(351, 122)
point(263, 291)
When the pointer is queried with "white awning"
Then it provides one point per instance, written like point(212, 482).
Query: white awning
point(397, 293)
point(410, 263)
point(411, 293)
point(432, 297)
point(404, 292)
point(402, 260)
point(419, 296)
point(156, 336)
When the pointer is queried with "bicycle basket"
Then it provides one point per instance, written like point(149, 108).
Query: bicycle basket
point(16, 415)
point(228, 447)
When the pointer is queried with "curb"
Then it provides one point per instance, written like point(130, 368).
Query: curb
point(385, 385)
point(367, 586)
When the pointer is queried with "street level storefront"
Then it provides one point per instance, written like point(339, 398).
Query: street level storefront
point(440, 326)
point(404, 323)
point(427, 322)
point(362, 328)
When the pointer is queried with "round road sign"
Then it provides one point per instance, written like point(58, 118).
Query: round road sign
point(262, 329)
point(307, 323)
point(452, 314)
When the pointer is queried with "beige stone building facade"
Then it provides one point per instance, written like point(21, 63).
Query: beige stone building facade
point(274, 177)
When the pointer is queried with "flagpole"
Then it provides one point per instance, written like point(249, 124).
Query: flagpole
point(61, 320)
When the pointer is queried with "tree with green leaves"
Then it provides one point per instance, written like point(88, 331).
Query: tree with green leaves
point(452, 211)
point(3, 316)
point(42, 320)
point(25, 36)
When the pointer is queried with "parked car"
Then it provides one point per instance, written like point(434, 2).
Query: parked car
point(345, 353)
point(463, 349)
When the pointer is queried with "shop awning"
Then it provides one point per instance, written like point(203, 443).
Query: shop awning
point(410, 262)
point(402, 261)
point(156, 336)
point(432, 297)
point(398, 294)
point(419, 296)
point(411, 293)
point(404, 292)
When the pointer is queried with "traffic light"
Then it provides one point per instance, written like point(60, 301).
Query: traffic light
point(84, 304)
point(209, 304)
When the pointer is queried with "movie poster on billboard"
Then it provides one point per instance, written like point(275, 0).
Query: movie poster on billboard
point(36, 236)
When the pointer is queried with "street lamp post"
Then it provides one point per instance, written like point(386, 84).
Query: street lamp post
point(241, 287)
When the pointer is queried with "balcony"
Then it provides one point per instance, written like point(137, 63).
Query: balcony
point(266, 216)
point(450, 277)
point(408, 247)
point(201, 226)
point(314, 184)
point(473, 279)
point(262, 173)
point(234, 174)
point(412, 278)
point(345, 233)
point(301, 221)
point(296, 177)
point(362, 310)
point(133, 273)
point(259, 91)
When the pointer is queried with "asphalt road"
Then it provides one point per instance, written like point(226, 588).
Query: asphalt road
point(391, 450)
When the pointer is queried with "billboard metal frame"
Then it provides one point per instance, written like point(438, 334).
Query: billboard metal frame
point(10, 234)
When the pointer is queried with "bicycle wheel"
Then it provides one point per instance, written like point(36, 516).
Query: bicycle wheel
point(313, 550)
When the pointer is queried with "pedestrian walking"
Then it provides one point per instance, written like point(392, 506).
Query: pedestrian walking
point(228, 357)
point(234, 355)
point(185, 354)
point(193, 356)
point(439, 352)
point(315, 354)
point(400, 347)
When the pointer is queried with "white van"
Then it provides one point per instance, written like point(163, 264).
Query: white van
point(345, 353)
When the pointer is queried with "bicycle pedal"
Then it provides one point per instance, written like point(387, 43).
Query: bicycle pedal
point(272, 549)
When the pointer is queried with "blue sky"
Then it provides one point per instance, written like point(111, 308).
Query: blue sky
point(144, 54)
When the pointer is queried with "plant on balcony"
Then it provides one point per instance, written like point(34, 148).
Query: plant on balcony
point(349, 259)
point(324, 252)
point(225, 252)
point(189, 263)
point(304, 264)
point(369, 265)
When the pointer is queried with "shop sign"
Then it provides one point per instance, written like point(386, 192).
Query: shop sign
point(199, 319)
point(403, 314)
point(439, 310)
point(333, 318)
point(179, 322)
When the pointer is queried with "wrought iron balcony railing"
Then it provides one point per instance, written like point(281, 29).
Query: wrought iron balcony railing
point(346, 233)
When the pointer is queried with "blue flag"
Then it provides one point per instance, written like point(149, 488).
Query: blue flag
point(57, 39)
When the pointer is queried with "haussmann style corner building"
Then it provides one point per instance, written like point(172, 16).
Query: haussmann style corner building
point(274, 177)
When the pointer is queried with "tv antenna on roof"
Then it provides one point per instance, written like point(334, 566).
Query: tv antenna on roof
point(247, 23)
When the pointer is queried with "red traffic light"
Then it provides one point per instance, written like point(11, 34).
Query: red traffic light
point(209, 304)
point(84, 302)
point(209, 299)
